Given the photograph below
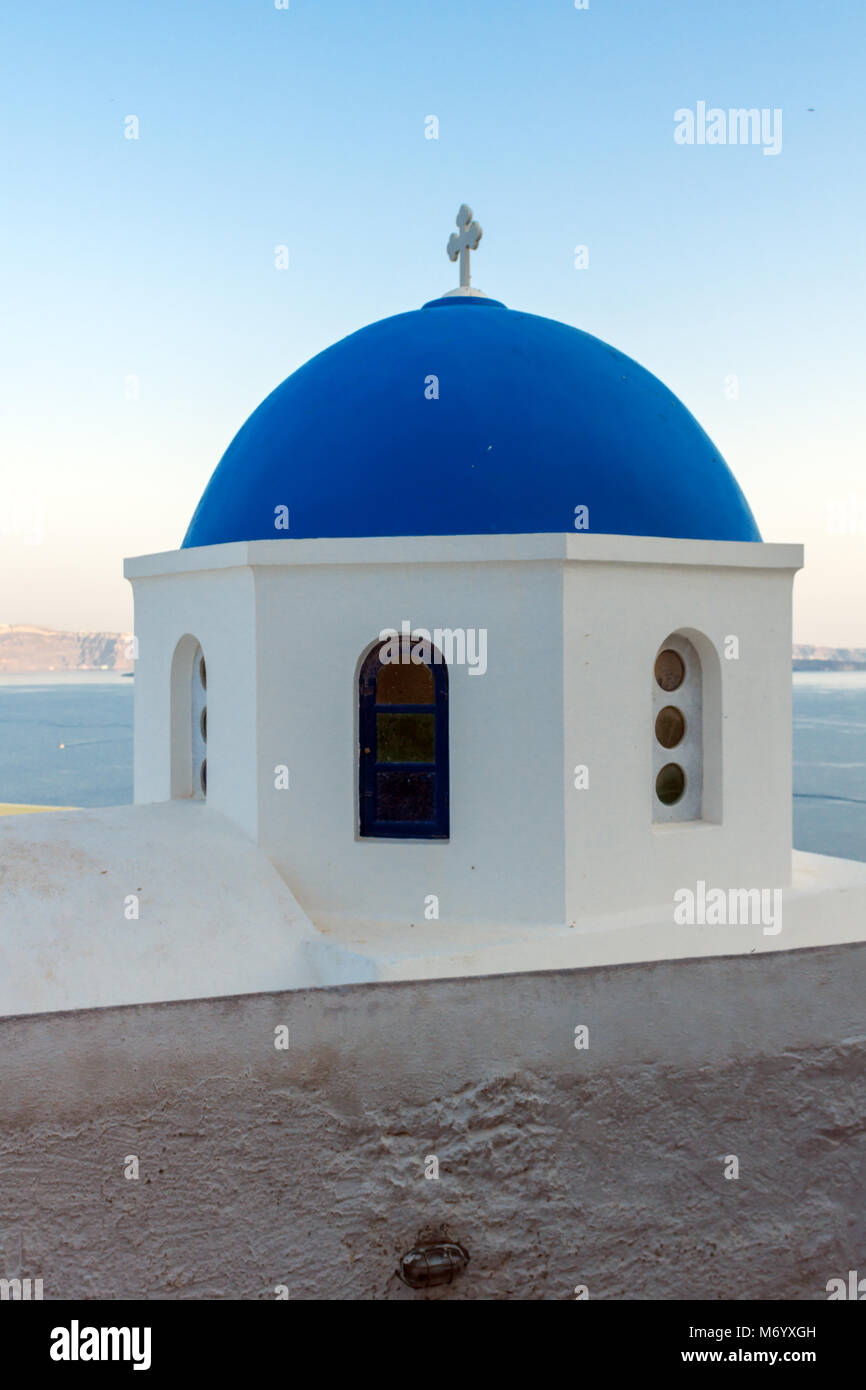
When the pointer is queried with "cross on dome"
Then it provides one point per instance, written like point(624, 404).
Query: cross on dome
point(461, 244)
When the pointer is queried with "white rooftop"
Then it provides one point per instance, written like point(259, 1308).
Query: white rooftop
point(216, 919)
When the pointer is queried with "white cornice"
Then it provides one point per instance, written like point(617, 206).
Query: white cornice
point(435, 550)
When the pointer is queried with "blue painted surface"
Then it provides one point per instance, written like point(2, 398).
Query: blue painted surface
point(533, 419)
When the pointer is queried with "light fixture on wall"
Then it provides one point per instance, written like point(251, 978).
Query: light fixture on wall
point(427, 1265)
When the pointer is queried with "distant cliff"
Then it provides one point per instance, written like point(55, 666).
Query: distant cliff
point(829, 658)
point(25, 649)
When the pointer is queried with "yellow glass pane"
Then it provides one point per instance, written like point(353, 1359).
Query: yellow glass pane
point(405, 684)
point(405, 738)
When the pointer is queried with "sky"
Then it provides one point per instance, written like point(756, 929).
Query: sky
point(144, 315)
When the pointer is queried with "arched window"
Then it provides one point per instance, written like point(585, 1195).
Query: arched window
point(678, 763)
point(403, 741)
point(188, 720)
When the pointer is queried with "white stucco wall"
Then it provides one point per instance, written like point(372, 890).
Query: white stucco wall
point(616, 616)
point(557, 1166)
point(503, 862)
point(217, 608)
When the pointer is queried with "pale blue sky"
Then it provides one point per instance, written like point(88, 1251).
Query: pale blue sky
point(305, 127)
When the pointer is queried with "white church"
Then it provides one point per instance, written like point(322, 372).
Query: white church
point(472, 664)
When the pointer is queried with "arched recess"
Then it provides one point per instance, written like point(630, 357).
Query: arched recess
point(403, 742)
point(686, 729)
point(188, 720)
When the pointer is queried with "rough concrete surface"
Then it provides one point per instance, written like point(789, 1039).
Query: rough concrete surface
point(305, 1167)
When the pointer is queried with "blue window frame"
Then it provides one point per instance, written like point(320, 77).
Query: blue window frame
point(403, 751)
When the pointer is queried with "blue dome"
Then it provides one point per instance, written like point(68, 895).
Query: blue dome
point(532, 420)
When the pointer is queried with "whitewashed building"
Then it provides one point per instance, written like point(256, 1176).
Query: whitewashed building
point(575, 753)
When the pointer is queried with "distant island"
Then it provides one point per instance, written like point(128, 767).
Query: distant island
point(29, 650)
point(829, 658)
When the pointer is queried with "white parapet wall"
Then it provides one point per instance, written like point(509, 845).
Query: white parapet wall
point(605, 1165)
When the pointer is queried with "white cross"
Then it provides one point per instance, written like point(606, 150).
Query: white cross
point(470, 235)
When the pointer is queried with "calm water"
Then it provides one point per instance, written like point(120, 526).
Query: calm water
point(66, 740)
point(830, 763)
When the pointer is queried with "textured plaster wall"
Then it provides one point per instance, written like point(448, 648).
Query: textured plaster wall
point(558, 1167)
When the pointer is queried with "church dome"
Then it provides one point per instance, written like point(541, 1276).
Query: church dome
point(464, 418)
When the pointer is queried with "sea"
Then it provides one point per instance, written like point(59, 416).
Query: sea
point(66, 740)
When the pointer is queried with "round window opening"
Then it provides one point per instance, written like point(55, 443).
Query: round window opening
point(203, 726)
point(670, 726)
point(202, 674)
point(670, 784)
point(203, 775)
point(670, 670)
